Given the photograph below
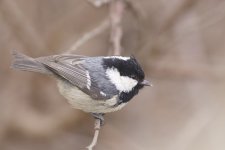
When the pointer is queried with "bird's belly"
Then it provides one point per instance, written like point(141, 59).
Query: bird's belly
point(81, 100)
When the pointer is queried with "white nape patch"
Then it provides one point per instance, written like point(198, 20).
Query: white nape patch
point(88, 80)
point(118, 57)
point(122, 83)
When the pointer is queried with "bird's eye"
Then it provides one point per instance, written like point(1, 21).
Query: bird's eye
point(133, 76)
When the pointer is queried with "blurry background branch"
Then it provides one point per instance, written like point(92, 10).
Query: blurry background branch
point(20, 26)
point(89, 35)
point(179, 43)
point(117, 8)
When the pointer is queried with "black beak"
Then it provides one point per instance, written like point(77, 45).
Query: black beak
point(146, 83)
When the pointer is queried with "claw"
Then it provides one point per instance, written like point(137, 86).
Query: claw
point(99, 116)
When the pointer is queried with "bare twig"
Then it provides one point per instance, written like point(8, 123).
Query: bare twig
point(17, 21)
point(95, 138)
point(89, 35)
point(166, 24)
point(116, 13)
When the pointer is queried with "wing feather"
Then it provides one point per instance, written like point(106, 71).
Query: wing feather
point(70, 68)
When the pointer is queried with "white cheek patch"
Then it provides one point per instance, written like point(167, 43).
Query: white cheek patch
point(88, 80)
point(122, 83)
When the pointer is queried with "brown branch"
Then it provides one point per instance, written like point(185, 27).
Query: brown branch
point(89, 35)
point(95, 138)
point(117, 8)
point(21, 26)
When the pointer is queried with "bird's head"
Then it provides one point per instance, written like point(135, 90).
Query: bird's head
point(126, 74)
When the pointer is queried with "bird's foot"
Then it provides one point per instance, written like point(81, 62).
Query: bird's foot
point(99, 116)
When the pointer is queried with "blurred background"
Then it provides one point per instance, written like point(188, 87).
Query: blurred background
point(180, 44)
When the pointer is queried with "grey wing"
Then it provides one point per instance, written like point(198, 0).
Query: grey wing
point(70, 68)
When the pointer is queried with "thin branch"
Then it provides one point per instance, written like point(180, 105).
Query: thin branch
point(89, 35)
point(21, 26)
point(116, 13)
point(117, 8)
point(95, 138)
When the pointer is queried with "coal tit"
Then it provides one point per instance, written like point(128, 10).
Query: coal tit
point(96, 85)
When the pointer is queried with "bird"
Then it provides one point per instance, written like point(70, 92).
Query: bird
point(96, 85)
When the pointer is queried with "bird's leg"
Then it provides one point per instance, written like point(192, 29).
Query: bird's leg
point(99, 116)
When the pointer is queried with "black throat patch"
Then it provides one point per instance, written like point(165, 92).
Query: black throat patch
point(126, 97)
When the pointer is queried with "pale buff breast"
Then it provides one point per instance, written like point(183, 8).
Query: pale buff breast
point(80, 100)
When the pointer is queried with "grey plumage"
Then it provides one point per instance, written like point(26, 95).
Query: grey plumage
point(73, 69)
point(25, 63)
point(99, 77)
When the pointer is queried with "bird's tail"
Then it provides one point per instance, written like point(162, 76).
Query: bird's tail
point(26, 63)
